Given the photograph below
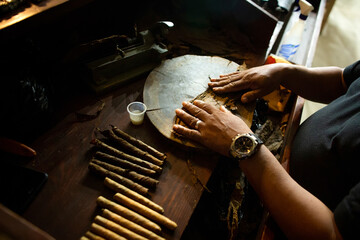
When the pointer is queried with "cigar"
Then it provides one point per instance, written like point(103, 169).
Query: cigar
point(93, 236)
point(117, 187)
point(124, 163)
point(145, 211)
point(126, 156)
point(140, 144)
point(144, 180)
point(128, 214)
point(106, 233)
point(130, 225)
point(121, 230)
point(120, 179)
point(133, 149)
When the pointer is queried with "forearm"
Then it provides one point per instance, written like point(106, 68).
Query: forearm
point(322, 84)
point(298, 213)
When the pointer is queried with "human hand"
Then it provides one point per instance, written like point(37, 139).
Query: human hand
point(216, 126)
point(260, 81)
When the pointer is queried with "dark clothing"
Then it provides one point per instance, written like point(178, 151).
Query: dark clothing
point(325, 156)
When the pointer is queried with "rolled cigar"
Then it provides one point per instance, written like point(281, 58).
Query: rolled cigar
point(131, 148)
point(144, 180)
point(145, 211)
point(93, 236)
point(120, 179)
point(117, 187)
point(124, 163)
point(106, 233)
point(108, 224)
point(130, 225)
point(139, 143)
point(126, 156)
point(128, 214)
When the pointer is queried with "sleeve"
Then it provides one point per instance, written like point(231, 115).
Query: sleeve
point(351, 73)
point(347, 214)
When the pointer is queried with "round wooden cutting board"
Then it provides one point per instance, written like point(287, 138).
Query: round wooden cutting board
point(177, 80)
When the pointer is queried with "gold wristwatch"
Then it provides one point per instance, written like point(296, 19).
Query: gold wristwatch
point(244, 145)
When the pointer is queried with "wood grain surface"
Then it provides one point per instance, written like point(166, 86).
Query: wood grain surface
point(181, 79)
point(66, 206)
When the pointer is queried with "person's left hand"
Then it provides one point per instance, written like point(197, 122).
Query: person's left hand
point(212, 127)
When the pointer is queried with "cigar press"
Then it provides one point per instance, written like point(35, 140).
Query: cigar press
point(142, 53)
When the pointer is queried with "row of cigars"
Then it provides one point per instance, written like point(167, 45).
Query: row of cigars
point(130, 168)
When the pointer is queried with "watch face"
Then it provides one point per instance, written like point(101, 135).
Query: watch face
point(244, 145)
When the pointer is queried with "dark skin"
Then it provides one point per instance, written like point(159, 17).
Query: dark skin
point(211, 118)
point(306, 82)
point(305, 216)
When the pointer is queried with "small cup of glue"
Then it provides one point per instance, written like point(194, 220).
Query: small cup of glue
point(136, 112)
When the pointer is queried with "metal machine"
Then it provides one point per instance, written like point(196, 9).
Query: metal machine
point(143, 53)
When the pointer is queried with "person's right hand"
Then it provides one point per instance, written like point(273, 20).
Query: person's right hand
point(260, 81)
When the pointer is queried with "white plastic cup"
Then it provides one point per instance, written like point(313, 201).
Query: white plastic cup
point(136, 112)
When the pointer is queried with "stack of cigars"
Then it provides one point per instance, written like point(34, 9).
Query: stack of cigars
point(130, 168)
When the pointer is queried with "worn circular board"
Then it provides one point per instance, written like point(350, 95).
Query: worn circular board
point(177, 80)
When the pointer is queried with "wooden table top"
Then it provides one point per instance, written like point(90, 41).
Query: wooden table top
point(66, 206)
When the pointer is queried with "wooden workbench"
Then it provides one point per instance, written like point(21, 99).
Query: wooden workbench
point(66, 205)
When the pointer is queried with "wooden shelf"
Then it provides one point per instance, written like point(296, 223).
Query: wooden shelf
point(28, 11)
point(30, 16)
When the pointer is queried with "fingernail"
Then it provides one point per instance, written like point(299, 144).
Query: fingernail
point(179, 111)
point(244, 99)
point(177, 127)
point(223, 108)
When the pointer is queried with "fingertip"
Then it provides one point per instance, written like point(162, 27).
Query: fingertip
point(185, 103)
point(224, 109)
point(244, 99)
point(217, 89)
point(177, 127)
point(213, 84)
point(196, 102)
